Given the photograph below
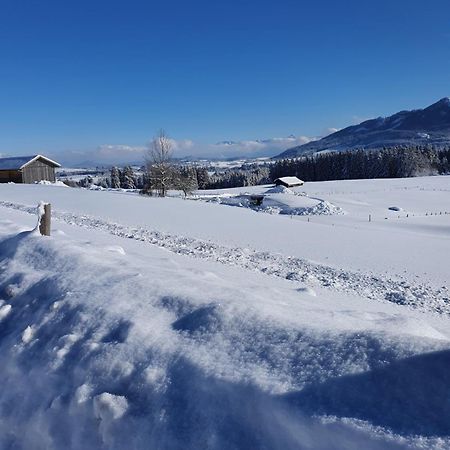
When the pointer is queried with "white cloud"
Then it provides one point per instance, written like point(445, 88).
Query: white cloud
point(104, 154)
point(108, 151)
point(125, 152)
point(121, 153)
point(182, 146)
point(256, 148)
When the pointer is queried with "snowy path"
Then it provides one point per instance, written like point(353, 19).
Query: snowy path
point(396, 290)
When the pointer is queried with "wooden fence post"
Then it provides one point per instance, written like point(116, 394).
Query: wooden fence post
point(45, 219)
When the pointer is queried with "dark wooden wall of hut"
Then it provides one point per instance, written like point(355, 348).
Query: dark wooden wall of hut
point(6, 176)
point(36, 171)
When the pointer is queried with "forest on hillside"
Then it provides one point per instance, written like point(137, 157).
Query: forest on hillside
point(394, 162)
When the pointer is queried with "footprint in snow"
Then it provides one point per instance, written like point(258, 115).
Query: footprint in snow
point(118, 334)
point(115, 249)
point(307, 290)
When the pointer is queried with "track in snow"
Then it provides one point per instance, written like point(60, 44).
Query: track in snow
point(296, 269)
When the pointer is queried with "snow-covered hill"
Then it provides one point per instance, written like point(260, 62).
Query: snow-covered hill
point(428, 126)
point(170, 323)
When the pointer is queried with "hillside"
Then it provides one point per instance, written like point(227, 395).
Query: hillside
point(430, 125)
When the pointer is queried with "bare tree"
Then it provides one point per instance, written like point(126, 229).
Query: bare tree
point(185, 180)
point(158, 162)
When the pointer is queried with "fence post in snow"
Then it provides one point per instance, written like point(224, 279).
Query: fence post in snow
point(370, 217)
point(44, 218)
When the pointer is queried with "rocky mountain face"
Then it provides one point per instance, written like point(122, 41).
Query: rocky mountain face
point(426, 126)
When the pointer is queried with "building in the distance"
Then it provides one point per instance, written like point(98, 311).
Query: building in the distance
point(27, 169)
point(288, 182)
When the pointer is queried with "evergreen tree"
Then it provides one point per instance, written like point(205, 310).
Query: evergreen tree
point(128, 181)
point(202, 177)
point(115, 178)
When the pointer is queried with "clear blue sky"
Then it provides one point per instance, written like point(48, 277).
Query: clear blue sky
point(77, 74)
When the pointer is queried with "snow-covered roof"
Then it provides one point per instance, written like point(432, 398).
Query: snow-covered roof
point(291, 181)
point(19, 162)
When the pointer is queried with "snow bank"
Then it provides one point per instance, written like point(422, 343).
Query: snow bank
point(279, 190)
point(56, 183)
point(276, 200)
point(164, 352)
point(109, 407)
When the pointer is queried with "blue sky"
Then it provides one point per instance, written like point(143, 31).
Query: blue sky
point(81, 75)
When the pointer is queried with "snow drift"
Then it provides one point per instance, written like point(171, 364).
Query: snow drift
point(100, 350)
point(276, 200)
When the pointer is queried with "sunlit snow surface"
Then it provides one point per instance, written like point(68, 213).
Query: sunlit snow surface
point(164, 323)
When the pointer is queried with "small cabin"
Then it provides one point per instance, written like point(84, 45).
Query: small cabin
point(27, 169)
point(288, 182)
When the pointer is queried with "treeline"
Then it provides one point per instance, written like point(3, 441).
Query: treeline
point(395, 162)
point(158, 179)
point(185, 178)
point(250, 175)
point(124, 178)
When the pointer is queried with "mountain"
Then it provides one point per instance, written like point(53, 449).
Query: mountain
point(430, 125)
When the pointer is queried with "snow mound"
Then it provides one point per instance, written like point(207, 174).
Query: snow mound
point(280, 190)
point(108, 407)
point(278, 200)
point(318, 208)
point(56, 183)
point(322, 208)
point(4, 311)
point(27, 335)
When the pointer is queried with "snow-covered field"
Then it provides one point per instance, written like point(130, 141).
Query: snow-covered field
point(168, 323)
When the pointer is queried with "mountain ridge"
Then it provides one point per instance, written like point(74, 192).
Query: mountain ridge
point(427, 126)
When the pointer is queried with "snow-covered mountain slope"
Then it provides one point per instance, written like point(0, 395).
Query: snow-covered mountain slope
point(168, 323)
point(430, 125)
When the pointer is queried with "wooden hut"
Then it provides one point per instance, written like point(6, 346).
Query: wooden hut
point(27, 169)
point(288, 182)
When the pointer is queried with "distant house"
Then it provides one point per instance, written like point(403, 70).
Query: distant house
point(27, 169)
point(288, 182)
